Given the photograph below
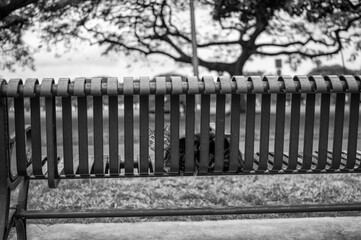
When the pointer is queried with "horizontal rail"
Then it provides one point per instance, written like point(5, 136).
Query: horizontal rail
point(239, 84)
point(100, 213)
point(244, 173)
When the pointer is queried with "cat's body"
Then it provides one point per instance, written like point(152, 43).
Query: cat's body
point(211, 160)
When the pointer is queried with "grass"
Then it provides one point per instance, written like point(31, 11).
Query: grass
point(187, 192)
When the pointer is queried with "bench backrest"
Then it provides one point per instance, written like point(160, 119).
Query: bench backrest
point(297, 126)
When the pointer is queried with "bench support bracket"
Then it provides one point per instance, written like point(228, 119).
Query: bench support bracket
point(20, 223)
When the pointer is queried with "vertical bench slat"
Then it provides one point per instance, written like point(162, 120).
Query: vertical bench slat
point(159, 134)
point(353, 130)
point(113, 136)
point(220, 164)
point(51, 139)
point(279, 131)
point(128, 135)
point(67, 136)
point(21, 163)
point(338, 131)
point(204, 141)
point(193, 88)
point(66, 103)
point(321, 86)
point(174, 137)
point(95, 90)
point(51, 143)
point(21, 160)
point(5, 164)
point(250, 128)
point(235, 126)
point(144, 125)
point(205, 124)
point(33, 139)
point(144, 137)
point(159, 125)
point(36, 136)
point(220, 127)
point(112, 92)
point(294, 131)
point(189, 144)
point(264, 135)
point(242, 88)
point(98, 135)
point(308, 133)
point(83, 136)
point(128, 126)
point(174, 123)
point(323, 134)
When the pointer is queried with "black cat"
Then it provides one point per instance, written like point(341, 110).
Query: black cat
point(211, 161)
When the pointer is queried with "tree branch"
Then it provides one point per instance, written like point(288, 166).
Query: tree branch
point(14, 20)
point(218, 43)
point(7, 9)
point(145, 52)
point(285, 45)
point(304, 54)
point(337, 42)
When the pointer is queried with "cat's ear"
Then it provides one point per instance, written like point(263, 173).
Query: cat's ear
point(212, 128)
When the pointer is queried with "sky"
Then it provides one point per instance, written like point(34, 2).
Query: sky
point(88, 61)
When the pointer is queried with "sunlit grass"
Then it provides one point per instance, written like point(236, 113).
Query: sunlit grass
point(187, 192)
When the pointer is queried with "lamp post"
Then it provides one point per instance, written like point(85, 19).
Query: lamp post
point(343, 62)
point(194, 48)
point(279, 66)
point(194, 40)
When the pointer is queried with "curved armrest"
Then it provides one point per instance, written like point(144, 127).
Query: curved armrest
point(12, 135)
point(23, 162)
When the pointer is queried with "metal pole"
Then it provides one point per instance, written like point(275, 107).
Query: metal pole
point(194, 50)
point(343, 62)
point(279, 66)
point(194, 40)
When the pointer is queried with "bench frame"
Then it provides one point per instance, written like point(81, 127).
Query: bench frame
point(10, 216)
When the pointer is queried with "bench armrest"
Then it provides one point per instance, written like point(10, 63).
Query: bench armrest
point(12, 135)
point(12, 146)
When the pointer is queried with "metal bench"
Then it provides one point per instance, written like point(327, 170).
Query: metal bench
point(283, 147)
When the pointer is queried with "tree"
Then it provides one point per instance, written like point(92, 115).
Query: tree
point(15, 19)
point(230, 33)
point(333, 70)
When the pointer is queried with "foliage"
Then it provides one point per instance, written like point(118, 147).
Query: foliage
point(229, 31)
point(333, 70)
point(13, 25)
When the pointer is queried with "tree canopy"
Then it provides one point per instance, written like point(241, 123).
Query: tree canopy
point(229, 32)
point(333, 70)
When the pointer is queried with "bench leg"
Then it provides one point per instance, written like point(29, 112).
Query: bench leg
point(20, 223)
point(21, 229)
point(4, 210)
point(5, 224)
point(8, 215)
